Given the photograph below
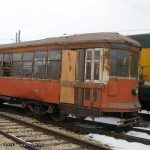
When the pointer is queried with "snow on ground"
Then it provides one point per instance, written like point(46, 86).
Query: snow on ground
point(144, 112)
point(109, 120)
point(138, 134)
point(118, 144)
point(148, 128)
point(146, 83)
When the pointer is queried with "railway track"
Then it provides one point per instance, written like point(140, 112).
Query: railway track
point(36, 135)
point(103, 131)
point(96, 128)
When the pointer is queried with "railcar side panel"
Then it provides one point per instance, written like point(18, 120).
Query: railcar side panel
point(117, 96)
point(43, 90)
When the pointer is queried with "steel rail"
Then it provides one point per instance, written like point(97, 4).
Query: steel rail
point(81, 142)
point(23, 143)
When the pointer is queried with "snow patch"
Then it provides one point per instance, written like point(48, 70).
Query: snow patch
point(109, 120)
point(143, 128)
point(138, 134)
point(146, 83)
point(144, 112)
point(117, 143)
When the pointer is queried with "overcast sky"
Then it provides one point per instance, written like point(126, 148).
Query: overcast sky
point(46, 18)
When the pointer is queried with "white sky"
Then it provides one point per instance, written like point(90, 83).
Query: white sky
point(46, 18)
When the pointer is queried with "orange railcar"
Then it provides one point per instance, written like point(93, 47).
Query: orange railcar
point(84, 75)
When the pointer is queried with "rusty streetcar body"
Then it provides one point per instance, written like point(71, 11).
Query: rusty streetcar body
point(84, 75)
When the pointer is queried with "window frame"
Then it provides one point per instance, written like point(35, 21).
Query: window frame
point(92, 61)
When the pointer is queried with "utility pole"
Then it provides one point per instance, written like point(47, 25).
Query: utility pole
point(18, 39)
point(19, 36)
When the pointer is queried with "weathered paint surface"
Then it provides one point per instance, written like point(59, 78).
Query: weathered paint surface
point(43, 90)
point(117, 97)
point(145, 63)
point(105, 66)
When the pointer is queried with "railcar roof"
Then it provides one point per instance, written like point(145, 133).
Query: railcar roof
point(78, 38)
point(144, 39)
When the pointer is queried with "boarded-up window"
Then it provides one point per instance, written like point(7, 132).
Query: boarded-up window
point(53, 64)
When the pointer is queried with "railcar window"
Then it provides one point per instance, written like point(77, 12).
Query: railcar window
point(39, 70)
point(88, 70)
point(119, 63)
point(8, 57)
point(97, 55)
point(16, 69)
point(89, 54)
point(1, 57)
point(17, 56)
point(54, 55)
point(96, 70)
point(53, 64)
point(27, 69)
point(93, 64)
point(28, 56)
point(134, 64)
point(7, 64)
point(40, 55)
point(53, 69)
point(27, 65)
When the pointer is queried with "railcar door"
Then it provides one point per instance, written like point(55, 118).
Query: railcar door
point(93, 75)
point(67, 94)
